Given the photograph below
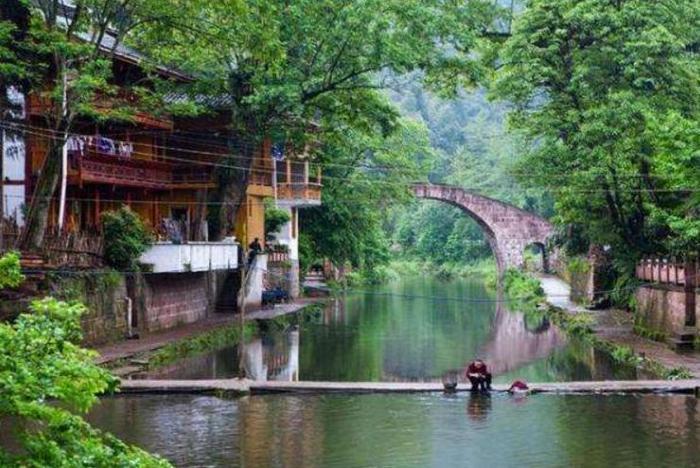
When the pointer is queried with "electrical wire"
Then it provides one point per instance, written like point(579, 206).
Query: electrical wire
point(55, 135)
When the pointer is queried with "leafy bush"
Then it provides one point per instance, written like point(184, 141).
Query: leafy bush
point(41, 362)
point(578, 265)
point(275, 217)
point(521, 286)
point(10, 273)
point(126, 238)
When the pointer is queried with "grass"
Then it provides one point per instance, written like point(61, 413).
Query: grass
point(200, 344)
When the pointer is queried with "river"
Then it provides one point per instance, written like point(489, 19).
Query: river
point(415, 329)
point(412, 330)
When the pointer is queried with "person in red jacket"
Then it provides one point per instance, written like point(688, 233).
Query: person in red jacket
point(478, 375)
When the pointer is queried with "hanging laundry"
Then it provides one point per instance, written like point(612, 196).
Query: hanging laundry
point(105, 145)
point(126, 148)
point(277, 151)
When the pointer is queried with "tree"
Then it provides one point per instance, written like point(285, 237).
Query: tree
point(70, 71)
point(286, 63)
point(45, 379)
point(368, 174)
point(608, 93)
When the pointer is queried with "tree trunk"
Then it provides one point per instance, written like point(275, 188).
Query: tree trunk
point(233, 184)
point(38, 215)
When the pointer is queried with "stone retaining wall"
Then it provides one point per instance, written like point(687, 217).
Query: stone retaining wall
point(661, 307)
point(163, 301)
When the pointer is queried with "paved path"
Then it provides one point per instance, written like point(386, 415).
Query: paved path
point(237, 386)
point(558, 293)
point(128, 348)
point(617, 326)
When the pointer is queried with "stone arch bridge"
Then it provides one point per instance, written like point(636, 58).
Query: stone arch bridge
point(508, 229)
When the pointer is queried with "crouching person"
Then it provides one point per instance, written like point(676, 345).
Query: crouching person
point(479, 376)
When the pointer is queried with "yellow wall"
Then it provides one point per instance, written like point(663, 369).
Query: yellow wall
point(250, 221)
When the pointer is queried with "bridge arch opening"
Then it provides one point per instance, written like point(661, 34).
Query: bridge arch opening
point(535, 257)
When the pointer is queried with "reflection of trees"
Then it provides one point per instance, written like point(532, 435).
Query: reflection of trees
point(388, 336)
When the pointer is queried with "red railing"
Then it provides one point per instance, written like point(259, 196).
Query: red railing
point(277, 256)
point(136, 172)
point(666, 270)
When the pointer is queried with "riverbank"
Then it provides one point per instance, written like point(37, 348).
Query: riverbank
point(121, 354)
point(615, 329)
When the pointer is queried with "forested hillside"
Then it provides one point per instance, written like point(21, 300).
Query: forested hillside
point(472, 149)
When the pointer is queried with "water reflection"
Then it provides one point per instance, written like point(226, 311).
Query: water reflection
point(478, 406)
point(405, 331)
point(274, 361)
point(410, 430)
point(514, 342)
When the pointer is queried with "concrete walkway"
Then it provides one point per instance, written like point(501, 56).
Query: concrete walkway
point(558, 293)
point(238, 386)
point(617, 326)
point(129, 348)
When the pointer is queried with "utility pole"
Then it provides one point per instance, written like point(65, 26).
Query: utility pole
point(241, 319)
point(64, 152)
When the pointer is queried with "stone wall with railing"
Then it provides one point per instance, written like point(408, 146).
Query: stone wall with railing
point(667, 302)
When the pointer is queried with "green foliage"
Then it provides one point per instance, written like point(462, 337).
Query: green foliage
point(607, 94)
point(275, 217)
point(578, 265)
point(372, 173)
point(125, 238)
point(10, 271)
point(622, 292)
point(472, 150)
point(519, 285)
point(215, 339)
point(282, 70)
point(41, 361)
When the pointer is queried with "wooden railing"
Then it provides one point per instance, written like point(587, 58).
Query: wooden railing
point(136, 172)
point(60, 249)
point(260, 177)
point(298, 180)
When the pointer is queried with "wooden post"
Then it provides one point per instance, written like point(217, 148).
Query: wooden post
point(689, 289)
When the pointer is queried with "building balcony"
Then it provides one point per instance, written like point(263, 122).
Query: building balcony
point(298, 183)
point(39, 104)
point(99, 168)
point(166, 257)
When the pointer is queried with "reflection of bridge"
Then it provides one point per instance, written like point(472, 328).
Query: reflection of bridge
point(508, 229)
point(512, 344)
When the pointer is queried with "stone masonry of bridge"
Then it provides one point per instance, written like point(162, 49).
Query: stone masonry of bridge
point(508, 229)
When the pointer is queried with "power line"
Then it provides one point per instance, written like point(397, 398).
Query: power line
point(51, 134)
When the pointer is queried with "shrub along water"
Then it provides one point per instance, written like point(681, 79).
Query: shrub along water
point(126, 238)
point(46, 381)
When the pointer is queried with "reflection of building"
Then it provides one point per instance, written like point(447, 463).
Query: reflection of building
point(274, 360)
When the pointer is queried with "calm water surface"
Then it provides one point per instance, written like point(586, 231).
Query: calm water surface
point(411, 330)
point(410, 430)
